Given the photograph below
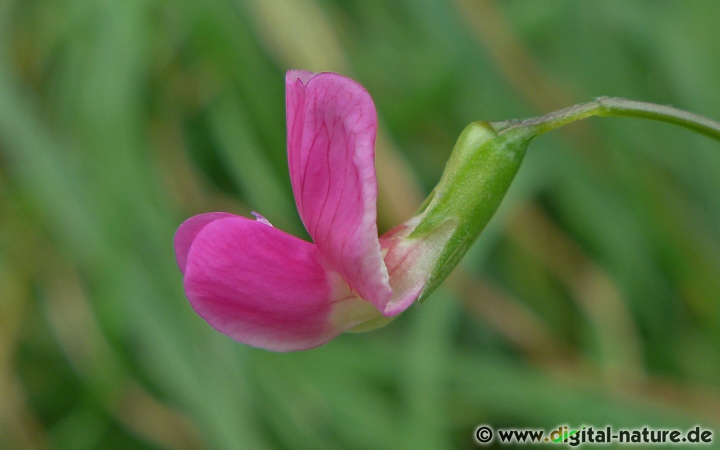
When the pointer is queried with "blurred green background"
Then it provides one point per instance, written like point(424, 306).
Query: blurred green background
point(592, 298)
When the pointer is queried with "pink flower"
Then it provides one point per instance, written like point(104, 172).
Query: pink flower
point(266, 288)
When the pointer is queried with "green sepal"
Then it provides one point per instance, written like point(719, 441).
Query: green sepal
point(484, 162)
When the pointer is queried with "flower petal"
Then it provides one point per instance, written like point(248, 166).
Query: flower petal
point(332, 125)
point(295, 81)
point(412, 260)
point(261, 286)
point(186, 233)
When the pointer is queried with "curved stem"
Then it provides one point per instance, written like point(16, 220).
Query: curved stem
point(620, 107)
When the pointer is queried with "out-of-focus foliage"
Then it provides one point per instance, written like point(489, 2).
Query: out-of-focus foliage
point(593, 297)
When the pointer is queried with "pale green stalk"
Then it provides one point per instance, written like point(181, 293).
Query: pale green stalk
point(620, 107)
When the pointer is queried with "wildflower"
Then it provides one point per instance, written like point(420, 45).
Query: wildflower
point(266, 288)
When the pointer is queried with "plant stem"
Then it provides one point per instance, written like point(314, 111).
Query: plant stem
point(620, 107)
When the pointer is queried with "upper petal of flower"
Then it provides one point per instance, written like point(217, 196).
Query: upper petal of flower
point(264, 287)
point(332, 125)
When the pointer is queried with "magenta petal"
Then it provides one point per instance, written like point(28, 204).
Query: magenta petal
point(406, 261)
point(332, 125)
point(295, 81)
point(260, 286)
point(186, 233)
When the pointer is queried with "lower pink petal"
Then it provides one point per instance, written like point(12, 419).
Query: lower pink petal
point(261, 286)
point(186, 233)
